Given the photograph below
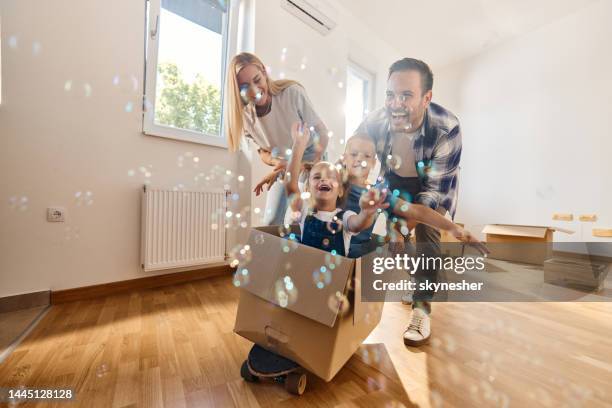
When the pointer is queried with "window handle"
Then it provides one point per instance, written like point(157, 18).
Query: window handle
point(156, 28)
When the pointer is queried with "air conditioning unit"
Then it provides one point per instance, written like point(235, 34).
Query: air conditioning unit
point(318, 14)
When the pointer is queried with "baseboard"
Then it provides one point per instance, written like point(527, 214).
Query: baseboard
point(112, 288)
point(25, 301)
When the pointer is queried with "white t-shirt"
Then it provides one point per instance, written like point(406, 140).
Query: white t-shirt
point(325, 216)
point(274, 129)
point(402, 146)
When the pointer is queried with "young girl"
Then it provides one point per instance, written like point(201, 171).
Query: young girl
point(323, 225)
point(358, 159)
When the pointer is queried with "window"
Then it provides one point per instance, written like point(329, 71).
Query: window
point(359, 92)
point(187, 48)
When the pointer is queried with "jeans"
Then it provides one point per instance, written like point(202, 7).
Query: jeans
point(427, 240)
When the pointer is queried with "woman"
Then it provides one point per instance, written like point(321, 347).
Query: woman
point(263, 110)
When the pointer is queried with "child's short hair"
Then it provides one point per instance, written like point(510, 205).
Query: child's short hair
point(360, 136)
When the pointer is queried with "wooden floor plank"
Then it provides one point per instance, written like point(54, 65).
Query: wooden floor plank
point(174, 347)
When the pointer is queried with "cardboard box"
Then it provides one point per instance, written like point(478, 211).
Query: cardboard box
point(306, 323)
point(582, 274)
point(521, 243)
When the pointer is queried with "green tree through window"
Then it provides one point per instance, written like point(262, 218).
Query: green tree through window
point(194, 106)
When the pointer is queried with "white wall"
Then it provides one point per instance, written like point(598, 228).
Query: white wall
point(55, 143)
point(536, 119)
point(276, 29)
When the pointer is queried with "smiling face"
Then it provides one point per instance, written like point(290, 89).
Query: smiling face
point(253, 84)
point(325, 185)
point(359, 158)
point(405, 102)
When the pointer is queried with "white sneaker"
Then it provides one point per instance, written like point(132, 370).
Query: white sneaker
point(419, 329)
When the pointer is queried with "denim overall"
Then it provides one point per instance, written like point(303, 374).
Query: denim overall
point(317, 234)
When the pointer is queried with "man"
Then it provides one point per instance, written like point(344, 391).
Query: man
point(419, 145)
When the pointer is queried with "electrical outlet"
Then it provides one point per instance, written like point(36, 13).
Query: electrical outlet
point(56, 214)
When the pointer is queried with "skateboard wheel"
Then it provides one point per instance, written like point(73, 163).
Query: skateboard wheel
point(296, 383)
point(246, 373)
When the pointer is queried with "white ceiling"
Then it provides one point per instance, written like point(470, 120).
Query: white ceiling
point(441, 32)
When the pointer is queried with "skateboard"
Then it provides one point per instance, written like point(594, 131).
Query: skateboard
point(262, 363)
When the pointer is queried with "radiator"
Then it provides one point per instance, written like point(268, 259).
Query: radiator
point(178, 231)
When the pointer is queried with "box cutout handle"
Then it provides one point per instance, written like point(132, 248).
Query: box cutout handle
point(275, 336)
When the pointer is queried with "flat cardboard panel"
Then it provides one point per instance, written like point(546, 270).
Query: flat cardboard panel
point(269, 266)
point(602, 232)
point(563, 217)
point(577, 273)
point(515, 230)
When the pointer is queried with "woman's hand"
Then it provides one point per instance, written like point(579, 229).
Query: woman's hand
point(466, 237)
point(269, 179)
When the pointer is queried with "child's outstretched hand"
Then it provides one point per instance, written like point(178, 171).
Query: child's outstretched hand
point(466, 237)
point(372, 200)
point(300, 134)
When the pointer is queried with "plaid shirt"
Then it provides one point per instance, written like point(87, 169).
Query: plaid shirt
point(437, 152)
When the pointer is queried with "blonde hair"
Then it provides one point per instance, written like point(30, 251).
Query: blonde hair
point(234, 106)
point(342, 185)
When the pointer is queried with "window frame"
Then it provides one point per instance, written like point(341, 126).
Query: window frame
point(149, 127)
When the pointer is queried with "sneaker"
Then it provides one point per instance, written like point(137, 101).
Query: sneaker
point(407, 298)
point(419, 329)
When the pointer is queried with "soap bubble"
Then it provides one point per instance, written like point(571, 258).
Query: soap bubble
point(394, 161)
point(129, 107)
point(285, 291)
point(289, 244)
point(321, 277)
point(87, 90)
point(334, 226)
point(244, 93)
point(82, 198)
point(36, 48)
point(102, 370)
point(12, 41)
point(545, 192)
point(284, 230)
point(19, 203)
point(338, 302)
point(134, 83)
point(332, 259)
point(241, 277)
point(259, 239)
point(71, 233)
point(67, 85)
point(240, 256)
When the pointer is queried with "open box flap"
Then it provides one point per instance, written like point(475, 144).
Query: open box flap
point(532, 231)
point(288, 279)
point(516, 230)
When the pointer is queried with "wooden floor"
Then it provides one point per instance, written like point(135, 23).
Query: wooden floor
point(14, 324)
point(174, 347)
